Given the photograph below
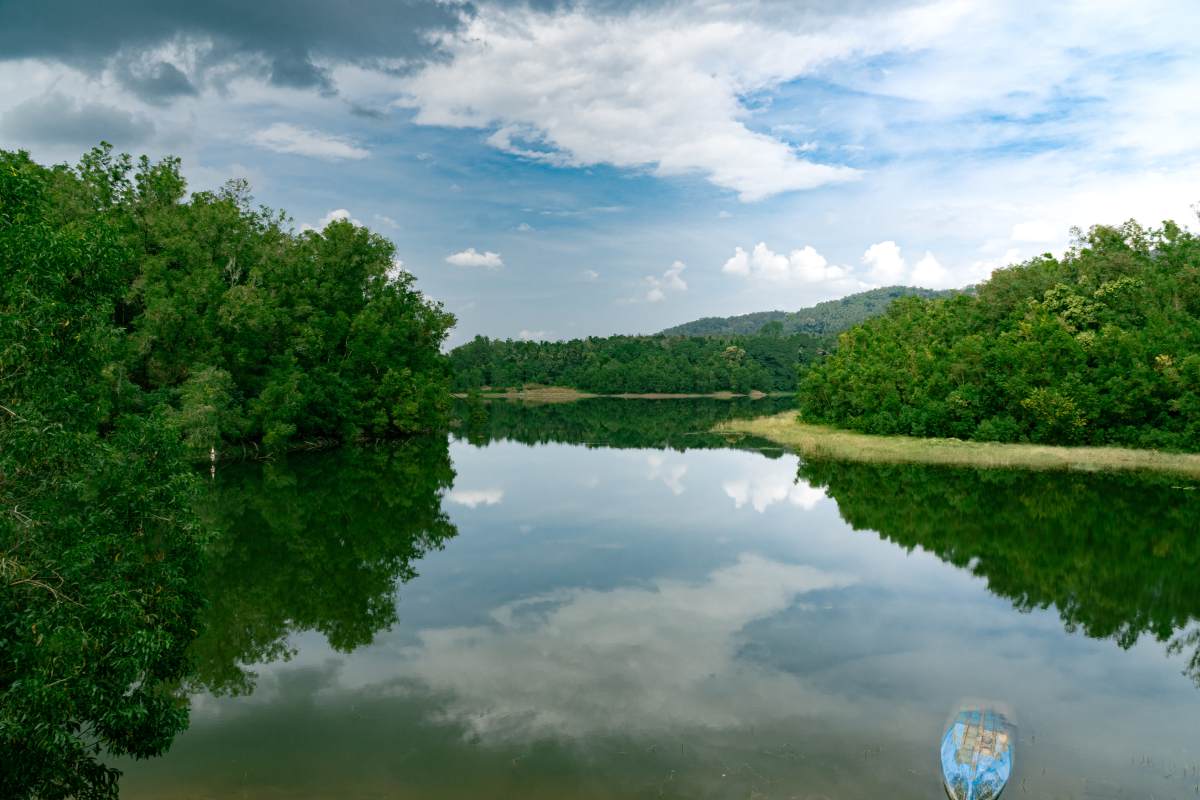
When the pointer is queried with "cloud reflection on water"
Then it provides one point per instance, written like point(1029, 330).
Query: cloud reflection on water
point(634, 658)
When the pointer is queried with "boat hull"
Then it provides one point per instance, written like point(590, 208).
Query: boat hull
point(977, 754)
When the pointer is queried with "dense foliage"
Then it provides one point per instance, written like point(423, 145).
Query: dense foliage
point(640, 364)
point(1101, 346)
point(139, 329)
point(1116, 555)
point(240, 329)
point(830, 317)
point(98, 546)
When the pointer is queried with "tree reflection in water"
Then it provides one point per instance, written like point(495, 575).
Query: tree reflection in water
point(317, 542)
point(1117, 555)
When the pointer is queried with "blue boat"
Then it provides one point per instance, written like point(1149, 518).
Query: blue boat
point(977, 754)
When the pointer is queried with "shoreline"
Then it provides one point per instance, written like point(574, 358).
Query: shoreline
point(565, 394)
point(824, 442)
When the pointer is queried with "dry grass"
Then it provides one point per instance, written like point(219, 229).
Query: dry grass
point(819, 441)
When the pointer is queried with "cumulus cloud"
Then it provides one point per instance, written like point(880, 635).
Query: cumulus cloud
point(659, 90)
point(473, 498)
point(929, 273)
point(884, 263)
point(532, 336)
point(805, 265)
point(473, 258)
point(285, 138)
point(334, 215)
point(525, 227)
point(886, 266)
point(670, 281)
point(982, 269)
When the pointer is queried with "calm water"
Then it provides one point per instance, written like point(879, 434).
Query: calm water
point(598, 601)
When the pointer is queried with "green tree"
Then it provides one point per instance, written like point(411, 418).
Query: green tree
point(98, 544)
point(1098, 347)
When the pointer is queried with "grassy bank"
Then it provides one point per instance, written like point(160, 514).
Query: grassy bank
point(818, 441)
point(565, 394)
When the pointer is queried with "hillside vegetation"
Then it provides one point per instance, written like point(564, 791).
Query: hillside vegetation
point(1101, 346)
point(830, 317)
point(619, 364)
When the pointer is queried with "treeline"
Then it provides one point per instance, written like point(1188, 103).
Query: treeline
point(830, 317)
point(1101, 347)
point(618, 364)
point(138, 329)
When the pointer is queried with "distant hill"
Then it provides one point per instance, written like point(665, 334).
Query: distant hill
point(832, 316)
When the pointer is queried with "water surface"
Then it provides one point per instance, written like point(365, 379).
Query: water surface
point(602, 601)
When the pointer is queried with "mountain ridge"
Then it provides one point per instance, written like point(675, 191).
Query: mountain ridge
point(828, 317)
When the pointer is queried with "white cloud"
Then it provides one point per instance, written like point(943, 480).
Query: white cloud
point(524, 227)
point(395, 271)
point(884, 263)
point(805, 265)
point(533, 336)
point(284, 138)
point(590, 275)
point(335, 214)
point(386, 220)
point(659, 90)
point(472, 258)
point(886, 266)
point(671, 281)
point(930, 274)
point(982, 269)
point(472, 498)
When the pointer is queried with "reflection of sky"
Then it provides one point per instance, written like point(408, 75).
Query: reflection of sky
point(597, 600)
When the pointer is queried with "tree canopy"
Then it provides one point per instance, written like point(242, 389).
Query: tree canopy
point(616, 364)
point(1100, 346)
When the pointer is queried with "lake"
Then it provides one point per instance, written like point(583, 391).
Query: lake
point(601, 600)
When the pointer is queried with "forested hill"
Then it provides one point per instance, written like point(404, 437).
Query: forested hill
point(1101, 346)
point(832, 316)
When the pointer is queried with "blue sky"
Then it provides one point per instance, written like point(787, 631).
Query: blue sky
point(566, 169)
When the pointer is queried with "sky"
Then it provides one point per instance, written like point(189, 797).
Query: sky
point(562, 169)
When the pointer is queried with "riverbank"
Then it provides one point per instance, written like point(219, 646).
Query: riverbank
point(819, 441)
point(565, 394)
